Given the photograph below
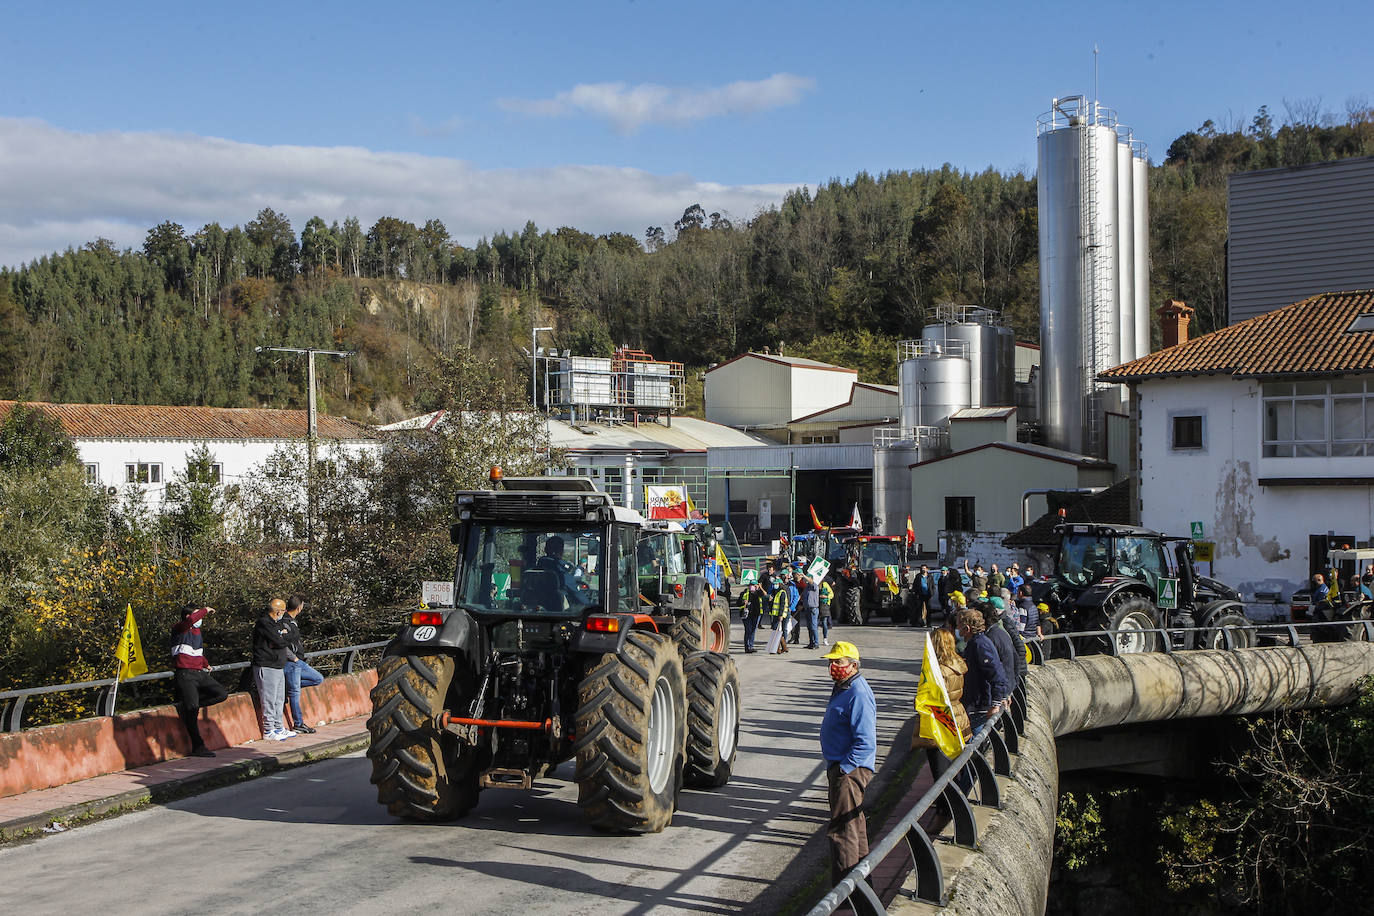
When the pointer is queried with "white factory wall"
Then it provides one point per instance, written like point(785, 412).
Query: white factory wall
point(1261, 533)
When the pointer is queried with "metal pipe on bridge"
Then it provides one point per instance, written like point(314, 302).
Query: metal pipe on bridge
point(1010, 872)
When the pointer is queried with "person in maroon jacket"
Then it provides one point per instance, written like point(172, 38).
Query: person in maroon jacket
point(195, 686)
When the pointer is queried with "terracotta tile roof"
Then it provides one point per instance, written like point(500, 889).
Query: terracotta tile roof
point(139, 421)
point(1305, 338)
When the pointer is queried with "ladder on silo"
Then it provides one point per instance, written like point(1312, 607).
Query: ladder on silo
point(1099, 304)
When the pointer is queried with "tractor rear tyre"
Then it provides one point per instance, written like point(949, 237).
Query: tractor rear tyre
point(853, 605)
point(713, 709)
point(419, 771)
point(1128, 622)
point(1237, 624)
point(1356, 632)
point(703, 629)
point(631, 727)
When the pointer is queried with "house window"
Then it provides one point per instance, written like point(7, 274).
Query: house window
point(92, 474)
point(959, 514)
point(1318, 419)
point(1187, 432)
point(216, 473)
point(143, 472)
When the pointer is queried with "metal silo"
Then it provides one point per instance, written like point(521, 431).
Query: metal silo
point(1077, 188)
point(1125, 255)
point(933, 382)
point(991, 351)
point(1140, 206)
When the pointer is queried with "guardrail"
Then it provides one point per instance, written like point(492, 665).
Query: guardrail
point(12, 701)
point(1002, 734)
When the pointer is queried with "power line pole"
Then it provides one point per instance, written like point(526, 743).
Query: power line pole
point(311, 436)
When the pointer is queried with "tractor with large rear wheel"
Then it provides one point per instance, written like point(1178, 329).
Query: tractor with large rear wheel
point(1138, 587)
point(549, 653)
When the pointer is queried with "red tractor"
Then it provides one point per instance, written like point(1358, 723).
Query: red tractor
point(873, 579)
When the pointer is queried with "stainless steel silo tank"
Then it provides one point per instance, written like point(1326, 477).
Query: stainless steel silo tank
point(892, 486)
point(1076, 187)
point(933, 384)
point(1140, 206)
point(985, 358)
point(1006, 367)
point(1125, 255)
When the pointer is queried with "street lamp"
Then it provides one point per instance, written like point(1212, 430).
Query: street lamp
point(534, 366)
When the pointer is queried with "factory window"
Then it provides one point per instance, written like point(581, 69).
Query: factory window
point(1187, 432)
point(819, 439)
point(1318, 419)
point(959, 514)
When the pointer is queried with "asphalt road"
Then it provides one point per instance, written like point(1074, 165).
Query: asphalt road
point(314, 839)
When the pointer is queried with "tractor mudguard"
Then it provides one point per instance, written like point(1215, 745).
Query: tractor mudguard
point(458, 631)
point(1098, 596)
point(1212, 610)
point(600, 643)
point(694, 590)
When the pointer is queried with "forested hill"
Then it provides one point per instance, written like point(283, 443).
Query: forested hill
point(841, 275)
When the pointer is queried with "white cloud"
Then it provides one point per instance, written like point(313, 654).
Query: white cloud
point(631, 107)
point(63, 189)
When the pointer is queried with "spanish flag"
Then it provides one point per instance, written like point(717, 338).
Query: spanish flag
point(132, 661)
point(934, 709)
point(910, 533)
point(815, 520)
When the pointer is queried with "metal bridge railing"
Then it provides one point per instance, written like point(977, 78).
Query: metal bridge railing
point(1001, 735)
point(12, 701)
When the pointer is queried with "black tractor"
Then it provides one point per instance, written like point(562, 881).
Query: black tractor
point(1131, 582)
point(550, 653)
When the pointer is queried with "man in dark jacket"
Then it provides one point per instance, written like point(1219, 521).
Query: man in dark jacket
point(299, 672)
point(755, 606)
point(921, 590)
point(271, 651)
point(992, 610)
point(985, 684)
point(195, 686)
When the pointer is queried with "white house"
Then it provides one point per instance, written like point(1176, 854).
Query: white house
point(1262, 433)
point(142, 446)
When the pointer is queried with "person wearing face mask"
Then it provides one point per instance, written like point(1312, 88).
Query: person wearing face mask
point(849, 744)
point(191, 678)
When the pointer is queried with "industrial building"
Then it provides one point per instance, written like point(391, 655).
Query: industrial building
point(1261, 436)
point(1298, 232)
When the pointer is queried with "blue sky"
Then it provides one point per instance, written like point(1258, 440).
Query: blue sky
point(606, 116)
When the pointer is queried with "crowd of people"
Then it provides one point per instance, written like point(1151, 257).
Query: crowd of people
point(278, 672)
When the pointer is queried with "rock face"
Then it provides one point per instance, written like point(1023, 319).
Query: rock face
point(1010, 872)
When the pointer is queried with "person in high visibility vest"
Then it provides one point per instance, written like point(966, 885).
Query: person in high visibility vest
point(827, 598)
point(778, 610)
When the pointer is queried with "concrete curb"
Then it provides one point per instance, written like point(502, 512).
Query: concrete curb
point(32, 826)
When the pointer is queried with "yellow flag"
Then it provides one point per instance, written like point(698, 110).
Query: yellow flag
point(933, 706)
point(130, 652)
point(725, 568)
point(894, 582)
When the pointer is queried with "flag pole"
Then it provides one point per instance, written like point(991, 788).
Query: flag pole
point(114, 692)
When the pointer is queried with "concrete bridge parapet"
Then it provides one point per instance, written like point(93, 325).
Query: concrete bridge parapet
point(1010, 871)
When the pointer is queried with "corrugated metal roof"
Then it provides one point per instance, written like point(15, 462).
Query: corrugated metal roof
point(143, 421)
point(794, 361)
point(811, 457)
point(1306, 338)
point(1027, 448)
point(687, 434)
point(983, 413)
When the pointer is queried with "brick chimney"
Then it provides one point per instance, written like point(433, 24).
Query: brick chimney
point(1174, 316)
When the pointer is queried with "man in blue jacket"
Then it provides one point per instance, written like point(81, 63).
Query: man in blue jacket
point(849, 743)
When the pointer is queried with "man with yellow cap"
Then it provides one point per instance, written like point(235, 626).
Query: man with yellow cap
point(849, 743)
